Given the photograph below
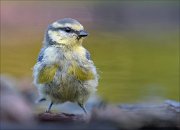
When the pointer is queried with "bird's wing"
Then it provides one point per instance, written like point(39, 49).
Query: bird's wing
point(88, 56)
point(46, 74)
point(40, 57)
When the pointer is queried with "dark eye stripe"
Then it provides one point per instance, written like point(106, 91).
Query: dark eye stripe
point(67, 29)
point(63, 29)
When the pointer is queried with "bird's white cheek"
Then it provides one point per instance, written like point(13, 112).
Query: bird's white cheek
point(54, 36)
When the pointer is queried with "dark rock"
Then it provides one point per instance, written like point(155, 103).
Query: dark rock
point(60, 117)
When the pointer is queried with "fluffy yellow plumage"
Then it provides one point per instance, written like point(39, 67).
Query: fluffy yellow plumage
point(64, 70)
point(46, 74)
point(80, 73)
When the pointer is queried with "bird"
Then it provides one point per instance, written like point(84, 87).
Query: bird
point(64, 71)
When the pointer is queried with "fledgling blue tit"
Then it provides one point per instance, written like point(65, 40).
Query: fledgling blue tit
point(64, 70)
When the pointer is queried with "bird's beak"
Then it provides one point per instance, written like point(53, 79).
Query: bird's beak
point(82, 33)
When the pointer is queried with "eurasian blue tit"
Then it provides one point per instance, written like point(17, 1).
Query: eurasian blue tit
point(64, 70)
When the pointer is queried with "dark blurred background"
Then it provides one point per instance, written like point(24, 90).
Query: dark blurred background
point(134, 44)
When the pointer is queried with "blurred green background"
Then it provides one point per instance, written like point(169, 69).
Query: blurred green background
point(135, 45)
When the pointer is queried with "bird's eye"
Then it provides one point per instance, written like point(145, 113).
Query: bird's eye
point(67, 29)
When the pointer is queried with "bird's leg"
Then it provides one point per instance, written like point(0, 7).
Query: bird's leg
point(49, 108)
point(83, 107)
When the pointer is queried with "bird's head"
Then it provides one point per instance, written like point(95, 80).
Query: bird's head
point(65, 31)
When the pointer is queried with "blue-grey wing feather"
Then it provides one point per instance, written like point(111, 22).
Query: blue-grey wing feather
point(40, 57)
point(88, 56)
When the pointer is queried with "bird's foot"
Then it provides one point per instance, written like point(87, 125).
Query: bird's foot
point(47, 111)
